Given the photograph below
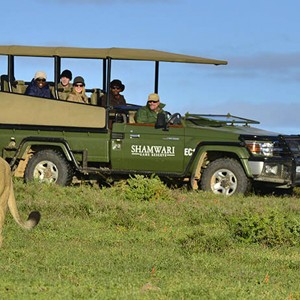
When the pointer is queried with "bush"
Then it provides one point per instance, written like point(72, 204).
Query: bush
point(141, 188)
point(208, 239)
point(270, 228)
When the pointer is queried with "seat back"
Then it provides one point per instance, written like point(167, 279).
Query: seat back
point(4, 83)
point(20, 87)
point(131, 116)
point(17, 86)
point(95, 96)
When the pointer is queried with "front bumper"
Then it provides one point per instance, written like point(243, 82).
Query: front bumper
point(275, 171)
point(281, 170)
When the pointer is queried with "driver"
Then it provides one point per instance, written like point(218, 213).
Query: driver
point(148, 113)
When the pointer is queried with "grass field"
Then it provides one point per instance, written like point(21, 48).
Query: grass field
point(144, 241)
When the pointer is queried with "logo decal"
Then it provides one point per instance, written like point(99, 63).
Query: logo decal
point(188, 151)
point(157, 151)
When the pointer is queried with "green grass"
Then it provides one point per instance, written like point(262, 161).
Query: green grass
point(107, 243)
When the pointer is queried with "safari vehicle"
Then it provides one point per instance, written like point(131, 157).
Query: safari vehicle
point(56, 141)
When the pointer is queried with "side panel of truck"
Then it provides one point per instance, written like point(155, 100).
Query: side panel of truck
point(81, 126)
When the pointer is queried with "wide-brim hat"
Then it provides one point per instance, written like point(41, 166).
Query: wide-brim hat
point(117, 82)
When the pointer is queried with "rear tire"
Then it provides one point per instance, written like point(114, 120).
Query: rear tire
point(49, 166)
point(225, 176)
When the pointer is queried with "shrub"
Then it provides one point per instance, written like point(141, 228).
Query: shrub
point(206, 239)
point(270, 228)
point(141, 188)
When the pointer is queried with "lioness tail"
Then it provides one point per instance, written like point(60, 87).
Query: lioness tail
point(33, 218)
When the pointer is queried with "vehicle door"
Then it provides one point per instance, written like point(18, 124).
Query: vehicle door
point(142, 147)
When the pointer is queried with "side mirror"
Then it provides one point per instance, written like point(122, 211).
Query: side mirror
point(175, 119)
point(161, 121)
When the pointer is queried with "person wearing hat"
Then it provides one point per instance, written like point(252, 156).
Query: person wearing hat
point(115, 98)
point(78, 91)
point(148, 113)
point(65, 86)
point(38, 86)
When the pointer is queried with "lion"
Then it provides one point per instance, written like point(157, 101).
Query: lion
point(7, 199)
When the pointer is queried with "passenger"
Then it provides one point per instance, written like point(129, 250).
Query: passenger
point(148, 113)
point(65, 86)
point(115, 98)
point(78, 91)
point(38, 86)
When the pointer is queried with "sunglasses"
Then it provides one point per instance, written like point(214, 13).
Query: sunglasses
point(41, 79)
point(151, 101)
point(81, 85)
point(115, 88)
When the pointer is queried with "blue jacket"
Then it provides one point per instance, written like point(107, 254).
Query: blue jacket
point(34, 90)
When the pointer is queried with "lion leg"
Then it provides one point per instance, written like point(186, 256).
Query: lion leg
point(1, 227)
point(2, 219)
point(2, 216)
point(4, 194)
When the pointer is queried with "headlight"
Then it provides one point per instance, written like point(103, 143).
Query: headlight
point(260, 148)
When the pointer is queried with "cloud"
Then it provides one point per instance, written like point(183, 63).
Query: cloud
point(110, 2)
point(268, 61)
point(272, 66)
point(285, 66)
point(276, 116)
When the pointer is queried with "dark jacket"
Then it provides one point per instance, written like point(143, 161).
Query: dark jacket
point(113, 101)
point(34, 90)
point(146, 115)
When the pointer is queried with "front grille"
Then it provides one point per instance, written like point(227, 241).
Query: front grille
point(293, 144)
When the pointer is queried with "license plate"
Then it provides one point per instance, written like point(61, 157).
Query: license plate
point(298, 169)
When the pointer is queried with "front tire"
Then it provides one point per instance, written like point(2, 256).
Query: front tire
point(225, 176)
point(49, 166)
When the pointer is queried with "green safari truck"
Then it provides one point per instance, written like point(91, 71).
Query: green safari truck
point(59, 141)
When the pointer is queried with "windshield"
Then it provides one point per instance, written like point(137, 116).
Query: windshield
point(218, 120)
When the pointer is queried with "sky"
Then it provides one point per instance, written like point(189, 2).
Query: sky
point(260, 39)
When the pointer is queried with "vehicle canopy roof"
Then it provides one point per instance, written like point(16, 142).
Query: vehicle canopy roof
point(104, 53)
